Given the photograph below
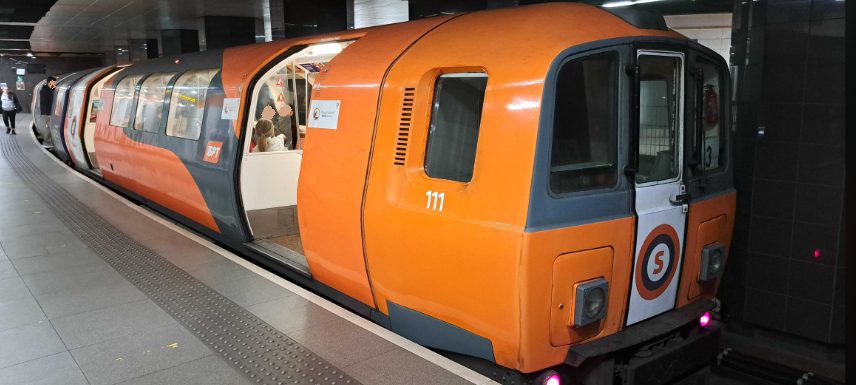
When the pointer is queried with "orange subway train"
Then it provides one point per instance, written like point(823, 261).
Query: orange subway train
point(542, 193)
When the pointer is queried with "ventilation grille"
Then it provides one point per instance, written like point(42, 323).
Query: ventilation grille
point(404, 125)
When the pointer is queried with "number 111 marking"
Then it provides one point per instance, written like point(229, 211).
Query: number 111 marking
point(433, 194)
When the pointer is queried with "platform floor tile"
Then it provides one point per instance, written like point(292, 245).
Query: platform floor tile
point(139, 354)
point(204, 371)
point(28, 342)
point(57, 369)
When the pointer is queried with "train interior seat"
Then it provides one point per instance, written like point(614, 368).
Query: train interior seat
point(269, 179)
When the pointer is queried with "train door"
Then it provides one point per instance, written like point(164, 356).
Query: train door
point(75, 124)
point(58, 114)
point(93, 105)
point(273, 150)
point(660, 192)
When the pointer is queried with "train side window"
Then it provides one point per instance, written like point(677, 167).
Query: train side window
point(713, 145)
point(454, 128)
point(585, 126)
point(122, 98)
point(187, 105)
point(150, 102)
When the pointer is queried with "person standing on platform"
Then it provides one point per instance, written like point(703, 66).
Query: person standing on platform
point(10, 106)
point(46, 95)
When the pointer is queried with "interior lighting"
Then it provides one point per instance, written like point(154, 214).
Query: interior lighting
point(705, 319)
point(30, 54)
point(323, 49)
point(626, 3)
point(618, 4)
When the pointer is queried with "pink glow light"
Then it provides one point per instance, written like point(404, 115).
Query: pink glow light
point(705, 319)
point(816, 253)
point(553, 380)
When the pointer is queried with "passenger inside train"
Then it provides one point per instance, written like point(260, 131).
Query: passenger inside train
point(268, 140)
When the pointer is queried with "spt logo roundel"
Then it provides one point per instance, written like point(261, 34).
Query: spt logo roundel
point(655, 264)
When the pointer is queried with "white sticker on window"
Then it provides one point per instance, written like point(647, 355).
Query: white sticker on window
point(324, 114)
point(230, 108)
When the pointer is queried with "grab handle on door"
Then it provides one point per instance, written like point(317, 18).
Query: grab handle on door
point(679, 199)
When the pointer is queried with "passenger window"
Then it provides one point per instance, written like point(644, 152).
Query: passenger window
point(122, 98)
point(584, 148)
point(187, 107)
point(150, 103)
point(713, 145)
point(453, 132)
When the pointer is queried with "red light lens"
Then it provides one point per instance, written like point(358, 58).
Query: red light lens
point(816, 253)
point(705, 319)
point(553, 380)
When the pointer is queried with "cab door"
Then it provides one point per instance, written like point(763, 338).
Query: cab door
point(660, 202)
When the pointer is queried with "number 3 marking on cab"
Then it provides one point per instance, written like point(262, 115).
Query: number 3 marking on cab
point(435, 196)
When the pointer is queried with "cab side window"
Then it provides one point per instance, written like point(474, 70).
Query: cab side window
point(187, 105)
point(122, 98)
point(454, 128)
point(713, 145)
point(150, 103)
point(584, 148)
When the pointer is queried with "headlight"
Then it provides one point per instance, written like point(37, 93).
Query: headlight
point(594, 303)
point(715, 263)
point(590, 302)
point(712, 260)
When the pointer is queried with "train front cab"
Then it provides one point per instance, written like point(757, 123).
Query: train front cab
point(500, 187)
point(632, 206)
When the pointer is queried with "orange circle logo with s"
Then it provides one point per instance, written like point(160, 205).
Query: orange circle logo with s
point(655, 264)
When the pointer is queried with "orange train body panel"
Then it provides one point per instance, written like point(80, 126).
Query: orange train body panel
point(333, 171)
point(424, 259)
point(569, 271)
point(709, 221)
point(540, 251)
point(152, 172)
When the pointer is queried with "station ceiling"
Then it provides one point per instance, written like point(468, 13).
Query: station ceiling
point(94, 26)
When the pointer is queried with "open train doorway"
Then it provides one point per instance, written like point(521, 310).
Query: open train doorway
point(273, 151)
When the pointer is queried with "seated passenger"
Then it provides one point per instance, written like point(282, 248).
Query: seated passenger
point(267, 140)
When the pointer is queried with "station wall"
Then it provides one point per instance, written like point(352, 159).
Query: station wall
point(54, 65)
